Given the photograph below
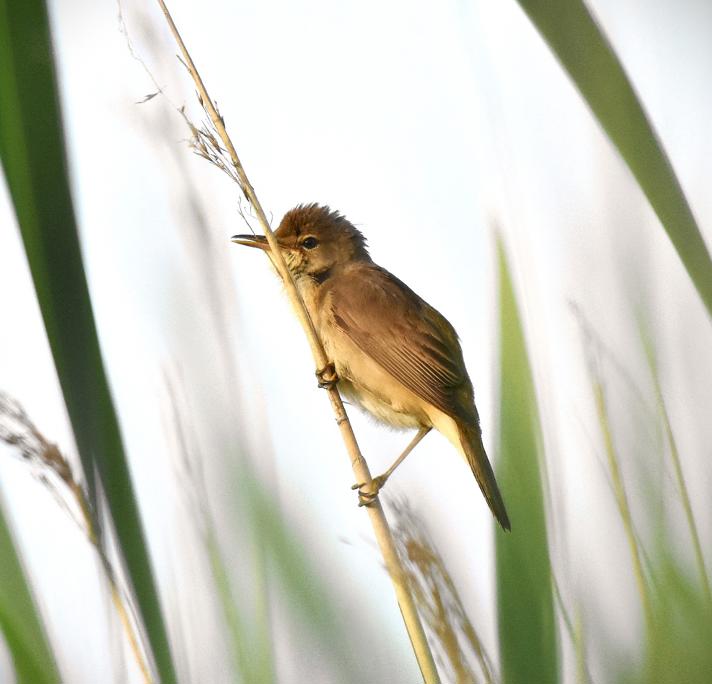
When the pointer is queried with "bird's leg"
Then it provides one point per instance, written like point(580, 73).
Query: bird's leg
point(327, 377)
point(367, 497)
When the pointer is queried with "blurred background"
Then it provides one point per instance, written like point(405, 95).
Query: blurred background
point(435, 128)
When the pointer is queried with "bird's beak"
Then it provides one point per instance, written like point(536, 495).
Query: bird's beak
point(259, 241)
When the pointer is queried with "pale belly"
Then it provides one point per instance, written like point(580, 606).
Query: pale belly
point(365, 383)
point(381, 410)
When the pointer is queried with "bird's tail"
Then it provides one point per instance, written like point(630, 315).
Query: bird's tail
point(471, 441)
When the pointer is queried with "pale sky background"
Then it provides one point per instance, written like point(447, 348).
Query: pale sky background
point(427, 124)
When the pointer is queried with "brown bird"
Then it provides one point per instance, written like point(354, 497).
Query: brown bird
point(394, 355)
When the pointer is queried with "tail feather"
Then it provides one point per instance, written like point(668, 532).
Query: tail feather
point(471, 441)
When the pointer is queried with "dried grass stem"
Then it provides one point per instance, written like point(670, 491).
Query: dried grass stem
point(360, 468)
point(17, 430)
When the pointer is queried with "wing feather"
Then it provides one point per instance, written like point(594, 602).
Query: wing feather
point(405, 335)
point(418, 347)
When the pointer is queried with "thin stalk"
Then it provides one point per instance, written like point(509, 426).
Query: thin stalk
point(375, 511)
point(126, 615)
point(575, 632)
point(682, 487)
point(622, 499)
point(18, 431)
point(582, 673)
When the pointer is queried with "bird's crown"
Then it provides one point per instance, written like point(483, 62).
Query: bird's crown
point(320, 238)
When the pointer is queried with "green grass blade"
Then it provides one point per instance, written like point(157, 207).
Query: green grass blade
point(621, 497)
point(20, 623)
point(585, 53)
point(677, 467)
point(251, 652)
point(525, 605)
point(575, 630)
point(677, 649)
point(304, 590)
point(33, 159)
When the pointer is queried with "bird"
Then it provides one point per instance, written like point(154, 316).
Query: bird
point(390, 352)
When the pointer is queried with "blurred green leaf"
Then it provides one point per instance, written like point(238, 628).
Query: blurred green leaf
point(279, 556)
point(303, 586)
point(251, 644)
point(585, 53)
point(525, 608)
point(33, 159)
point(613, 458)
point(676, 460)
point(677, 649)
point(20, 622)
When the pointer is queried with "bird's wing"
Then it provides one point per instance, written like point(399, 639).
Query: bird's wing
point(405, 335)
point(418, 347)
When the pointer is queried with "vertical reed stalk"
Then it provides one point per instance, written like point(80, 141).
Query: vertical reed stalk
point(126, 616)
point(622, 499)
point(682, 487)
point(360, 468)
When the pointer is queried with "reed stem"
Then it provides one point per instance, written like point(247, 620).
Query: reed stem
point(379, 523)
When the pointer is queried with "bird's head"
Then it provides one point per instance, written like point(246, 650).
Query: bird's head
point(314, 240)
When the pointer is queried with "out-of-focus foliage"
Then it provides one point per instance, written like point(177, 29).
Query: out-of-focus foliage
point(525, 610)
point(669, 568)
point(34, 162)
point(20, 622)
point(677, 648)
point(588, 57)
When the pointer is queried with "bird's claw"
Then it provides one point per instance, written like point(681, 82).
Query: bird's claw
point(368, 497)
point(327, 377)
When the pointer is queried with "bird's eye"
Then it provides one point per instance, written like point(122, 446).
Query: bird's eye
point(310, 242)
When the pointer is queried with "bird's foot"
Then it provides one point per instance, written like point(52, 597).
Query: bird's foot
point(367, 497)
point(327, 377)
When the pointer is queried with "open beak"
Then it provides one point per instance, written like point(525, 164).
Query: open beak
point(259, 241)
